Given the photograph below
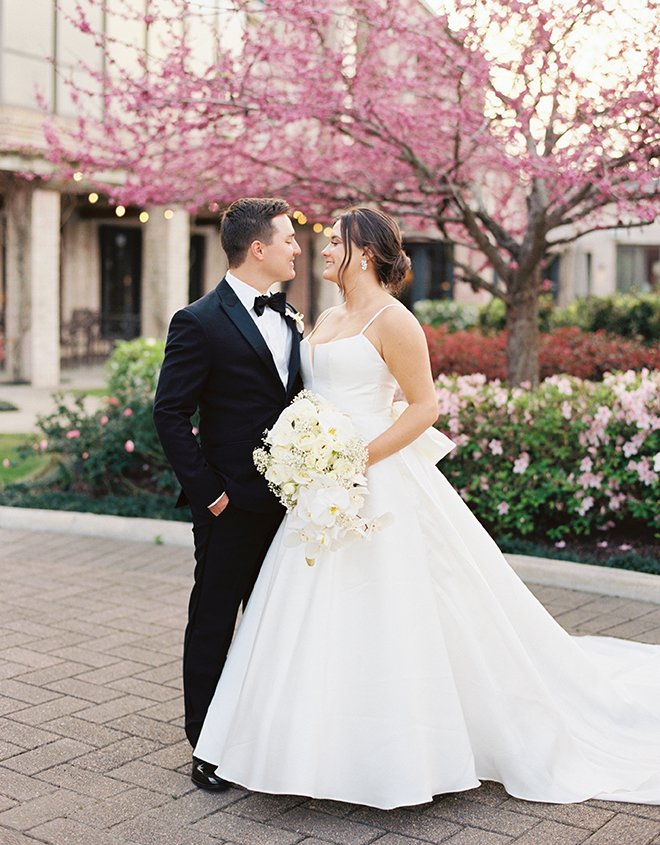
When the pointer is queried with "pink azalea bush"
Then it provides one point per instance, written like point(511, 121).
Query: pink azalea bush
point(569, 458)
point(115, 450)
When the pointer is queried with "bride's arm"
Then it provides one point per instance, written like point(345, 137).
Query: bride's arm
point(405, 351)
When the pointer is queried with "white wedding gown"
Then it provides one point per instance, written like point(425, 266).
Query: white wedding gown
point(417, 663)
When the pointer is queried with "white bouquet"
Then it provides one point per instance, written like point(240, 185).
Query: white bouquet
point(314, 462)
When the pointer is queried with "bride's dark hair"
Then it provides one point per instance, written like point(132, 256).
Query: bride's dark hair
point(368, 228)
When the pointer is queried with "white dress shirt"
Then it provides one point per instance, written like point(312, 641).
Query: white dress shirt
point(273, 327)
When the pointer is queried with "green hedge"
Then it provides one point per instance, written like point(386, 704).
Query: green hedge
point(634, 316)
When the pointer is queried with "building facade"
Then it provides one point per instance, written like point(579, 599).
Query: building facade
point(78, 272)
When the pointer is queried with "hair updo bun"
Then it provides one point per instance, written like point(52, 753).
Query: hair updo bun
point(367, 228)
point(398, 270)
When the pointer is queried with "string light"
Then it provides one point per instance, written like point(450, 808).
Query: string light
point(318, 227)
point(144, 216)
point(77, 176)
point(213, 206)
point(296, 214)
point(327, 231)
point(93, 197)
point(168, 214)
point(120, 211)
point(302, 219)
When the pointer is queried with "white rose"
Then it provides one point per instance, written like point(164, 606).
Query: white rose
point(322, 447)
point(343, 468)
point(277, 474)
point(304, 440)
point(303, 409)
point(281, 434)
point(279, 454)
point(289, 489)
point(301, 475)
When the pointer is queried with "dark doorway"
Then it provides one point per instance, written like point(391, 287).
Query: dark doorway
point(121, 277)
point(432, 271)
point(196, 274)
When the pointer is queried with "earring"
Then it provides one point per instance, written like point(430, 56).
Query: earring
point(363, 263)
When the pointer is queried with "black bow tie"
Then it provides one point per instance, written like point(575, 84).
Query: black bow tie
point(276, 301)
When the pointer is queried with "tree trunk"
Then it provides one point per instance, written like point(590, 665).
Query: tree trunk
point(522, 322)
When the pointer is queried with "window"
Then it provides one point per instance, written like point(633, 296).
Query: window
point(637, 267)
point(432, 271)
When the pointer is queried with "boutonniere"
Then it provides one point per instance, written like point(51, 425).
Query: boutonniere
point(298, 317)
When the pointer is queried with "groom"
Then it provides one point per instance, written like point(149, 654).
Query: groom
point(235, 355)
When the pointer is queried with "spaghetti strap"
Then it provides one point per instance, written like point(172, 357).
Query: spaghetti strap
point(320, 321)
point(378, 313)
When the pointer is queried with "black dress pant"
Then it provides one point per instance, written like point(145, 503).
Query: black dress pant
point(229, 551)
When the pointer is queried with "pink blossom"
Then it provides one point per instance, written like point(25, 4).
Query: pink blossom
point(603, 544)
point(5, 462)
point(587, 504)
point(624, 547)
point(85, 455)
point(503, 508)
point(43, 445)
point(129, 446)
point(127, 412)
point(103, 420)
point(70, 435)
point(495, 447)
point(194, 430)
point(521, 464)
point(112, 400)
point(560, 544)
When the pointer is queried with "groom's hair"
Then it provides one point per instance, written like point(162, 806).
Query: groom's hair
point(248, 220)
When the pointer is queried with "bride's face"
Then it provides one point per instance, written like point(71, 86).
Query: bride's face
point(334, 255)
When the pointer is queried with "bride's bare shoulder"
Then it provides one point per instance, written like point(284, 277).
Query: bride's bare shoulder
point(397, 319)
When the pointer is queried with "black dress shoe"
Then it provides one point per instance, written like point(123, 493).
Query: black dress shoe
point(203, 775)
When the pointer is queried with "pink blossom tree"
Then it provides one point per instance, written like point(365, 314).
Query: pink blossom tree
point(508, 126)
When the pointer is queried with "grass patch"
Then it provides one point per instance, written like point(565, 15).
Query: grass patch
point(14, 466)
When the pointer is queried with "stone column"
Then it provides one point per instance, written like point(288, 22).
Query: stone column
point(45, 280)
point(32, 330)
point(166, 268)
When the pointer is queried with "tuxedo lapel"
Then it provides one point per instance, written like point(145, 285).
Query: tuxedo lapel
point(245, 324)
point(294, 360)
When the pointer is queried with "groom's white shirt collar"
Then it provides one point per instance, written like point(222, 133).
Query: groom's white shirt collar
point(246, 293)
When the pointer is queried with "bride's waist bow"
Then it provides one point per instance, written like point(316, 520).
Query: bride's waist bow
point(431, 444)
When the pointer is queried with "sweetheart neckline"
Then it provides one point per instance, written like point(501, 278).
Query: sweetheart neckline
point(312, 346)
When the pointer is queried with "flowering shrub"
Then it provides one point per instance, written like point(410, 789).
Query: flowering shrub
point(134, 366)
point(567, 350)
point(571, 457)
point(115, 450)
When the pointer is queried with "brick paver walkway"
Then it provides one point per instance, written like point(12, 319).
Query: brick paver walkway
point(91, 733)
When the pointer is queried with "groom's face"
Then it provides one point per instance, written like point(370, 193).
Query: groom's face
point(280, 253)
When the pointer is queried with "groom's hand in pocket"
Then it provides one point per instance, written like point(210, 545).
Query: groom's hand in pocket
point(217, 507)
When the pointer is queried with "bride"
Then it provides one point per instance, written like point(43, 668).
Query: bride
point(416, 663)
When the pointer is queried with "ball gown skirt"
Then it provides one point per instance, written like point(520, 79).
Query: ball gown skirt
point(417, 663)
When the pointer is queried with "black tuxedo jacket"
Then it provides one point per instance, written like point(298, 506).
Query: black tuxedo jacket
point(217, 360)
